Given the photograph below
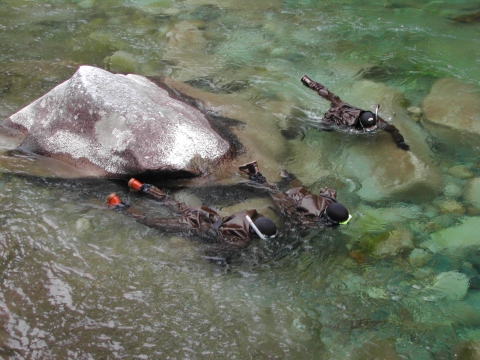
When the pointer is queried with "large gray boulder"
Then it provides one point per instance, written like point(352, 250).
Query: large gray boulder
point(114, 125)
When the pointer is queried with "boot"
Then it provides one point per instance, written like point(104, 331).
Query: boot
point(114, 202)
point(254, 174)
point(250, 168)
point(136, 185)
point(311, 84)
point(307, 81)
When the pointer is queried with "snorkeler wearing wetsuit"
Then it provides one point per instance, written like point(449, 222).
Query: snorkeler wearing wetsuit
point(235, 230)
point(297, 204)
point(347, 116)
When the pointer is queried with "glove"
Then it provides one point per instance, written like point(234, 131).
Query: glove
point(403, 146)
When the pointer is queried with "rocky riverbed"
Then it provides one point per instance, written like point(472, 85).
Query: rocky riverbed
point(400, 281)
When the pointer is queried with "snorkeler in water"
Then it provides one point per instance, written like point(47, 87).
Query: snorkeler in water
point(299, 206)
point(235, 230)
point(347, 116)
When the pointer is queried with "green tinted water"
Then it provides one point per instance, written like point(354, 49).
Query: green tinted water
point(400, 282)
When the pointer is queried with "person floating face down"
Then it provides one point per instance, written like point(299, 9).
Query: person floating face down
point(298, 205)
point(347, 116)
point(236, 230)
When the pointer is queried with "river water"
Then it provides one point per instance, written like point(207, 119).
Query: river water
point(399, 282)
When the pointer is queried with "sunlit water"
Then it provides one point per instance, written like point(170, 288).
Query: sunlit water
point(81, 282)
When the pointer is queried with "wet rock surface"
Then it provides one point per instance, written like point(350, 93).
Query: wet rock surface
point(377, 349)
point(450, 285)
point(453, 104)
point(473, 17)
point(473, 192)
point(398, 240)
point(113, 125)
point(254, 133)
point(106, 287)
point(457, 237)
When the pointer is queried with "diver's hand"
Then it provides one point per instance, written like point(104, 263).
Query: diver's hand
point(397, 137)
point(403, 146)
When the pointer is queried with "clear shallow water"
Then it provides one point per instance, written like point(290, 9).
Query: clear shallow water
point(82, 282)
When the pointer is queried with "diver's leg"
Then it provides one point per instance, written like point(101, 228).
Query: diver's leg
point(115, 203)
point(253, 172)
point(149, 189)
point(157, 194)
point(166, 224)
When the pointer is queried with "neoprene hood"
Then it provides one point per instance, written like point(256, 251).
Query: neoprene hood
point(367, 119)
point(337, 212)
point(266, 226)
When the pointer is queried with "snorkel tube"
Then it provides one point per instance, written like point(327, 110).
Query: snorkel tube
point(254, 227)
point(376, 113)
point(269, 229)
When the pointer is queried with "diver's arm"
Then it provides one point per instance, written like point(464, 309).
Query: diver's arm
point(321, 90)
point(165, 224)
point(393, 131)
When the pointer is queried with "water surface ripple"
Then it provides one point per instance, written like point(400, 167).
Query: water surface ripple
point(81, 282)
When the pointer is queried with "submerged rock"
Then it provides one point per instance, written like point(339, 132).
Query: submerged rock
point(452, 190)
point(466, 350)
point(397, 241)
point(415, 112)
point(419, 257)
point(383, 349)
point(114, 125)
point(451, 206)
point(377, 293)
point(184, 42)
point(473, 192)
point(383, 171)
point(453, 104)
point(371, 221)
point(457, 237)
point(450, 285)
point(86, 4)
point(252, 7)
point(460, 172)
point(468, 18)
point(390, 173)
point(121, 62)
point(465, 315)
